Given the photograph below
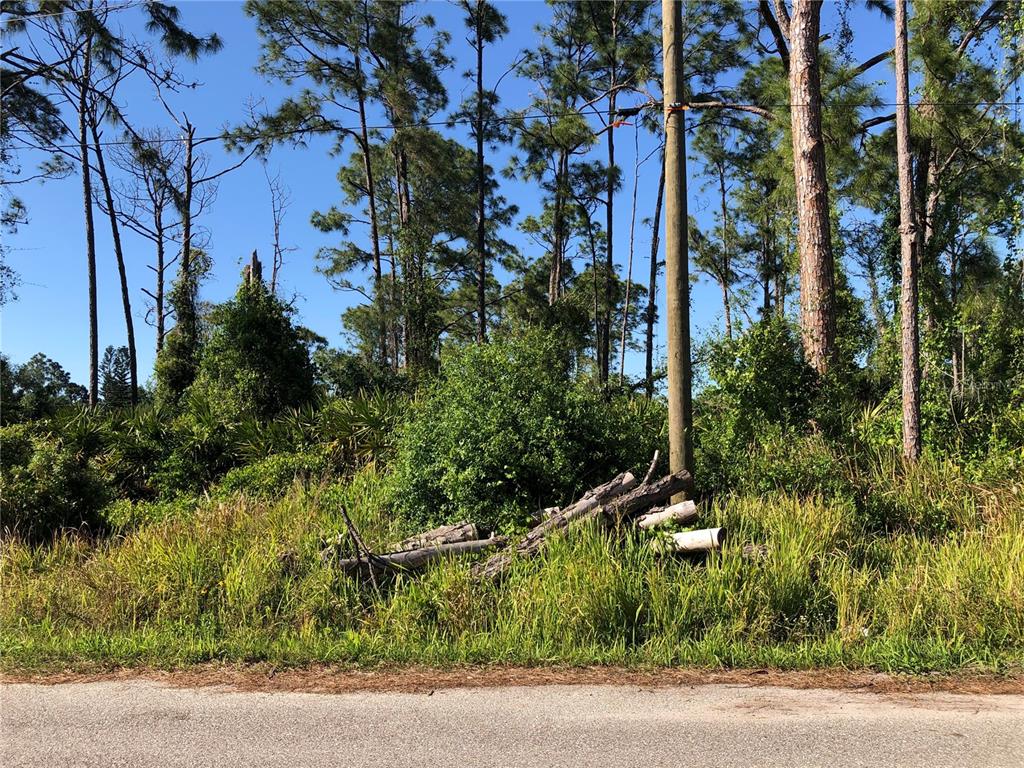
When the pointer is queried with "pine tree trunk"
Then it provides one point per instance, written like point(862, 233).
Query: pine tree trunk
point(911, 378)
point(481, 189)
point(652, 285)
point(817, 280)
point(90, 230)
point(115, 233)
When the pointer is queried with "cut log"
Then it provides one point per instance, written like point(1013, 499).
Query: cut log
point(704, 540)
point(445, 534)
point(677, 513)
point(645, 496)
point(412, 559)
point(612, 503)
point(591, 501)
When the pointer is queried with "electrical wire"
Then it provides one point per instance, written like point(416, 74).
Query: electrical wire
point(66, 11)
point(495, 120)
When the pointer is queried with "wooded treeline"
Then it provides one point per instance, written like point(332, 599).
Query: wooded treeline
point(853, 211)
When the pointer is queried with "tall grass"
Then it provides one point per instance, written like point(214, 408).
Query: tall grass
point(924, 571)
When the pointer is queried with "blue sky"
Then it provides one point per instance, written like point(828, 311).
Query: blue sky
point(51, 313)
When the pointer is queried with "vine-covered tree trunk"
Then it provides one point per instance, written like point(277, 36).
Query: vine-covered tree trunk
point(817, 280)
point(558, 246)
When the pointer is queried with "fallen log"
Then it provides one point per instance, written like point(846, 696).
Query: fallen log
point(704, 540)
point(645, 496)
point(677, 513)
point(613, 502)
point(413, 559)
point(590, 501)
point(445, 534)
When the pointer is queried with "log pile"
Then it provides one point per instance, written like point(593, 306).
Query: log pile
point(621, 502)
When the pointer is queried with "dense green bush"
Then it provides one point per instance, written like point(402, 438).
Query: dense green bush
point(505, 429)
point(758, 400)
point(49, 483)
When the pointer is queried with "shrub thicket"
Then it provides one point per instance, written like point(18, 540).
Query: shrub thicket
point(505, 429)
point(49, 483)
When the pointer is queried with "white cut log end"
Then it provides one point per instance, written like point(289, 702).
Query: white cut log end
point(677, 513)
point(704, 540)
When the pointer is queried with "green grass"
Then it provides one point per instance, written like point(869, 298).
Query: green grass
point(923, 572)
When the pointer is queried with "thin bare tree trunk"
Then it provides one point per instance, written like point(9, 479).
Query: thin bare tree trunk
point(158, 296)
point(652, 285)
point(186, 213)
point(817, 280)
point(481, 189)
point(911, 378)
point(609, 208)
point(115, 233)
point(629, 267)
point(726, 307)
point(90, 230)
point(371, 199)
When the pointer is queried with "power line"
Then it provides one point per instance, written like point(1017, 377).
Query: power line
point(67, 11)
point(328, 129)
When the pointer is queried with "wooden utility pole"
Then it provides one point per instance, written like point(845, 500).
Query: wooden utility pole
point(909, 339)
point(677, 268)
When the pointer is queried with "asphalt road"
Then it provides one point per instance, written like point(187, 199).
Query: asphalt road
point(142, 723)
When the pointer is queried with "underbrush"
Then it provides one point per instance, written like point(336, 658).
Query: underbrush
point(928, 575)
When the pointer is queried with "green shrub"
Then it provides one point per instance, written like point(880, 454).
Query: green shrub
point(199, 448)
point(124, 515)
point(276, 474)
point(505, 429)
point(758, 377)
point(777, 459)
point(48, 484)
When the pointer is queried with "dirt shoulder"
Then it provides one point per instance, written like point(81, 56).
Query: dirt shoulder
point(334, 679)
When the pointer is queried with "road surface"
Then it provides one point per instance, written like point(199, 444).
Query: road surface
point(142, 723)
